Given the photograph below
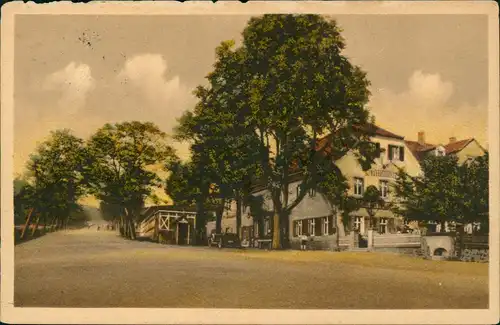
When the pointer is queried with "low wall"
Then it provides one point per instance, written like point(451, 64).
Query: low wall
point(396, 241)
point(438, 246)
point(475, 255)
point(412, 251)
point(317, 243)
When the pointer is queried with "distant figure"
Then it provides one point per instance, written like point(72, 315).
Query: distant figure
point(303, 242)
point(98, 228)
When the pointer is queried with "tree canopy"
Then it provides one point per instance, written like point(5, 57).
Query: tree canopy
point(285, 88)
point(54, 180)
point(446, 191)
point(120, 166)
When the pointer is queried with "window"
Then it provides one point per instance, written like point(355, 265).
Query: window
point(311, 226)
point(396, 153)
point(325, 229)
point(297, 228)
point(331, 228)
point(384, 189)
point(440, 152)
point(359, 186)
point(357, 223)
point(383, 225)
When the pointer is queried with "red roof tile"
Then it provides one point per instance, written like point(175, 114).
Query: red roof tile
point(419, 149)
point(369, 127)
point(457, 145)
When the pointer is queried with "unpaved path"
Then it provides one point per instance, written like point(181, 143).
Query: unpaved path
point(89, 268)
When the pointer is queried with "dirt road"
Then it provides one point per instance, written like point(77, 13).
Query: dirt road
point(87, 268)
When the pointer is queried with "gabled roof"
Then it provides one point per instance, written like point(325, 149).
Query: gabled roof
point(420, 149)
point(457, 145)
point(370, 127)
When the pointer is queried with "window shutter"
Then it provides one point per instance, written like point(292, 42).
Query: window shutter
point(390, 152)
point(330, 225)
point(377, 146)
point(402, 153)
point(295, 228)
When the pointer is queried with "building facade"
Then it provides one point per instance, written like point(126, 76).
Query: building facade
point(316, 217)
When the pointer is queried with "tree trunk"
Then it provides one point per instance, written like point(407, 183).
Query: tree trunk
point(52, 224)
point(276, 231)
point(218, 217)
point(132, 229)
point(238, 215)
point(44, 223)
point(126, 228)
point(33, 232)
point(26, 225)
point(200, 216)
point(285, 230)
point(129, 224)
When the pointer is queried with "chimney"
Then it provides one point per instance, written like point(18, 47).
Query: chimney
point(453, 139)
point(421, 137)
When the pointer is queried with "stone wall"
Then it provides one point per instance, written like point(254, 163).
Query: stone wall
point(475, 255)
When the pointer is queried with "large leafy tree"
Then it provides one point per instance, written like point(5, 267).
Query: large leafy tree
point(54, 179)
point(290, 86)
point(436, 195)
point(474, 190)
point(220, 146)
point(120, 167)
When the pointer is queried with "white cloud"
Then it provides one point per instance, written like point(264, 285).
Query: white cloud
point(147, 73)
point(425, 105)
point(73, 82)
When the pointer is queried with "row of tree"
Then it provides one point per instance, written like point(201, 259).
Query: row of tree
point(114, 165)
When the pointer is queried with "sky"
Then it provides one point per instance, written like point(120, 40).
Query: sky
point(427, 73)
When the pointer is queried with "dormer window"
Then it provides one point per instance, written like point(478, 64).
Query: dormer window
point(396, 153)
point(440, 152)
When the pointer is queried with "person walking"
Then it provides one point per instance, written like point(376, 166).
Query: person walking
point(303, 242)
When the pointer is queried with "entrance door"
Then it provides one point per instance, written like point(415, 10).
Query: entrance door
point(183, 233)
